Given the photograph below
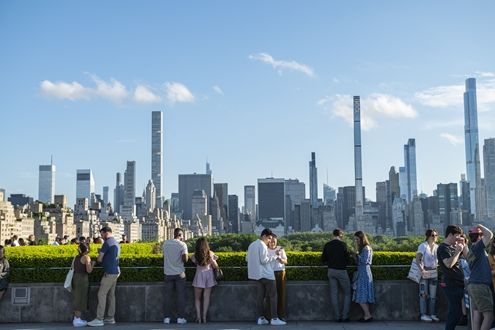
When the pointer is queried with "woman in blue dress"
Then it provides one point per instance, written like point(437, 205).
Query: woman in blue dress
point(364, 293)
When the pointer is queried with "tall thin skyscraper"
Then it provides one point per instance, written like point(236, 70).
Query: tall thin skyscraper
point(46, 185)
point(359, 210)
point(208, 168)
point(85, 185)
point(250, 202)
point(313, 182)
point(472, 147)
point(118, 193)
point(489, 166)
point(157, 154)
point(410, 168)
point(105, 195)
point(129, 207)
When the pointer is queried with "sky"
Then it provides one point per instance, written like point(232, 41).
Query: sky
point(251, 86)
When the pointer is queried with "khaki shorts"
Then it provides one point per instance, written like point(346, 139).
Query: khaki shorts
point(481, 297)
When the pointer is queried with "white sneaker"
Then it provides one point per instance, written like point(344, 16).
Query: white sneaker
point(109, 320)
point(277, 321)
point(166, 320)
point(434, 318)
point(426, 318)
point(77, 322)
point(262, 321)
point(96, 323)
point(181, 320)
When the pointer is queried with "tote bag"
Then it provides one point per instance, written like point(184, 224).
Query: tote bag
point(414, 274)
point(69, 276)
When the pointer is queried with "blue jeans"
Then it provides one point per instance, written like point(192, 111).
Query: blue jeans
point(454, 295)
point(427, 295)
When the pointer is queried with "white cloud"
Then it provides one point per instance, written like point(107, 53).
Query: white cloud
point(452, 139)
point(453, 95)
point(63, 90)
point(177, 93)
point(281, 65)
point(143, 94)
point(114, 90)
point(485, 74)
point(218, 90)
point(373, 107)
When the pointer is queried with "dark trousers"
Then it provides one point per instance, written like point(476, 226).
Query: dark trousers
point(175, 283)
point(454, 295)
point(266, 288)
point(280, 282)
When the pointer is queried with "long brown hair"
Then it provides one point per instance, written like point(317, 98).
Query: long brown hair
point(363, 240)
point(202, 252)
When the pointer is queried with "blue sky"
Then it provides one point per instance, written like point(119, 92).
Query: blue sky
point(253, 86)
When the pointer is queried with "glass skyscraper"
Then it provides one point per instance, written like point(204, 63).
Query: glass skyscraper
point(157, 154)
point(85, 185)
point(411, 183)
point(46, 185)
point(489, 166)
point(472, 147)
point(313, 182)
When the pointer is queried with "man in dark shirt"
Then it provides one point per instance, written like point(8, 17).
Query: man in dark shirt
point(448, 258)
point(336, 256)
point(108, 256)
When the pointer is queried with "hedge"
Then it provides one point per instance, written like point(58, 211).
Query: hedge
point(143, 262)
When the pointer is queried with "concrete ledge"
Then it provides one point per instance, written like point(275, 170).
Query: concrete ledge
point(230, 301)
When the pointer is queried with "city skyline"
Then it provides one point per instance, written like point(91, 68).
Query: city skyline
point(88, 102)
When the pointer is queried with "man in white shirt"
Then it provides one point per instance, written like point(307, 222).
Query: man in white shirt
point(174, 257)
point(261, 271)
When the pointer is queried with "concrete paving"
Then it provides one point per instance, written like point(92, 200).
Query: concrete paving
point(376, 325)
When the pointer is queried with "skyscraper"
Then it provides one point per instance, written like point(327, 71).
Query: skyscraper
point(250, 202)
point(128, 210)
point(234, 217)
point(188, 183)
point(157, 154)
point(410, 170)
point(359, 211)
point(403, 182)
point(150, 196)
point(105, 195)
point(85, 185)
point(329, 195)
point(472, 147)
point(448, 202)
point(208, 168)
point(313, 182)
point(271, 199)
point(118, 193)
point(221, 191)
point(46, 185)
point(489, 170)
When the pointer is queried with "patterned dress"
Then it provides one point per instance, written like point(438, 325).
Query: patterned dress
point(364, 292)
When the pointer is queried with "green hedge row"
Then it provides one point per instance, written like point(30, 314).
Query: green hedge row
point(143, 262)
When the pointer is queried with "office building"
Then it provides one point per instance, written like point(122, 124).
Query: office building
point(188, 183)
point(471, 142)
point(489, 170)
point(313, 182)
point(85, 185)
point(250, 202)
point(410, 170)
point(46, 185)
point(157, 155)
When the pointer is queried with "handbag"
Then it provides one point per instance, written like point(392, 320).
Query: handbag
point(69, 276)
point(218, 273)
point(414, 274)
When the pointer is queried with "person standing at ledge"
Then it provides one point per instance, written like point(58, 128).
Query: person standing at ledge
point(426, 258)
point(278, 267)
point(365, 292)
point(260, 270)
point(4, 273)
point(108, 256)
point(448, 254)
point(174, 257)
point(480, 281)
point(336, 256)
point(80, 284)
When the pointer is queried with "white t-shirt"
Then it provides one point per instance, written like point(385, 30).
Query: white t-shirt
point(173, 250)
point(276, 264)
point(429, 255)
point(259, 263)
